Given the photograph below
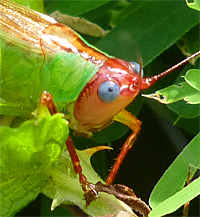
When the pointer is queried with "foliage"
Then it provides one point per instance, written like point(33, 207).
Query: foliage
point(194, 5)
point(145, 27)
point(169, 194)
point(183, 98)
point(27, 155)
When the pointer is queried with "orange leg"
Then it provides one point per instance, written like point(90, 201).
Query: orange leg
point(90, 193)
point(89, 189)
point(128, 119)
point(47, 99)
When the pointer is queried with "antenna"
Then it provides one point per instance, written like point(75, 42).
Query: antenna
point(148, 82)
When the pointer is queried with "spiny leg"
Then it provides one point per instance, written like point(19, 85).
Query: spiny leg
point(89, 189)
point(90, 193)
point(135, 125)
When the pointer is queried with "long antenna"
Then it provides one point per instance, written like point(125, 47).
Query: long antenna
point(148, 82)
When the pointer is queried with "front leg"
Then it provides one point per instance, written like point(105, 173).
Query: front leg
point(89, 189)
point(90, 193)
point(131, 121)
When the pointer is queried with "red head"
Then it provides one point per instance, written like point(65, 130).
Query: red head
point(114, 87)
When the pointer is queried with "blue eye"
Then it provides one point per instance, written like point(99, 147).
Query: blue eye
point(108, 91)
point(136, 68)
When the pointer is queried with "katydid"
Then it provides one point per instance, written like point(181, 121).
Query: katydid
point(41, 55)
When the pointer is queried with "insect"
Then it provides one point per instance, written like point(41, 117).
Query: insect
point(51, 58)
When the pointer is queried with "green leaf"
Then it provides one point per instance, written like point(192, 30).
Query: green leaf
point(188, 91)
point(194, 5)
point(151, 43)
point(177, 200)
point(66, 189)
point(35, 5)
point(192, 77)
point(189, 43)
point(150, 28)
point(33, 161)
point(185, 110)
point(27, 153)
point(73, 8)
point(183, 98)
point(174, 179)
point(175, 93)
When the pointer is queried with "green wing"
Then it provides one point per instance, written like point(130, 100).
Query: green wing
point(66, 75)
point(25, 74)
point(28, 68)
point(20, 82)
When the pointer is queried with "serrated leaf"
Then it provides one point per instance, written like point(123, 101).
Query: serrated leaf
point(64, 187)
point(175, 177)
point(32, 161)
point(18, 192)
point(27, 153)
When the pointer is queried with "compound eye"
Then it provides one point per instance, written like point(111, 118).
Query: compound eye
point(136, 68)
point(108, 91)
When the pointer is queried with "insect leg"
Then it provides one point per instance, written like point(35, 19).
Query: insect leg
point(90, 193)
point(135, 125)
point(47, 99)
point(89, 189)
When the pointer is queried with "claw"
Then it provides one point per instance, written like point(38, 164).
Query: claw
point(90, 193)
